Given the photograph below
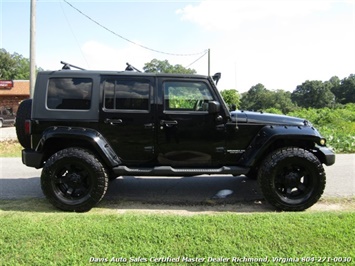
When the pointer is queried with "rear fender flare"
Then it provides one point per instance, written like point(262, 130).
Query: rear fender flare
point(95, 140)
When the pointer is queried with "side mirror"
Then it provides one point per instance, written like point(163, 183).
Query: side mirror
point(216, 77)
point(214, 107)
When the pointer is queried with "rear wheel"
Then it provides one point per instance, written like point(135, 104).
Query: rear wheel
point(292, 179)
point(74, 180)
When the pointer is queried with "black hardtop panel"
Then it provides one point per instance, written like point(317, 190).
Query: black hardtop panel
point(77, 101)
point(49, 104)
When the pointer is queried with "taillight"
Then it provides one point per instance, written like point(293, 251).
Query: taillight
point(28, 127)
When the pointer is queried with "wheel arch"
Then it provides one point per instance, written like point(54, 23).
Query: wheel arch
point(271, 138)
point(59, 138)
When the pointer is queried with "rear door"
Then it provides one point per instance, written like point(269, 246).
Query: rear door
point(127, 118)
point(188, 135)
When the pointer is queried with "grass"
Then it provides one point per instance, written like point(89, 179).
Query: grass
point(49, 237)
point(10, 148)
point(33, 233)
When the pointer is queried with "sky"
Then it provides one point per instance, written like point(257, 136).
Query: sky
point(279, 44)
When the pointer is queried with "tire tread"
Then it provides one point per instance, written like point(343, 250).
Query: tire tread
point(86, 156)
point(265, 179)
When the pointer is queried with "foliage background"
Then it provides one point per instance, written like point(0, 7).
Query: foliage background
point(336, 125)
point(328, 105)
point(14, 66)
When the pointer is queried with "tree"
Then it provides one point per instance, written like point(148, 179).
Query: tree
point(7, 65)
point(345, 91)
point(231, 97)
point(14, 66)
point(281, 100)
point(257, 98)
point(315, 93)
point(334, 83)
point(158, 66)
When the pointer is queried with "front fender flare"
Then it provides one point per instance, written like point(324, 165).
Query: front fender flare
point(269, 135)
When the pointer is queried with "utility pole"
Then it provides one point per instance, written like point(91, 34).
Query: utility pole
point(209, 63)
point(32, 47)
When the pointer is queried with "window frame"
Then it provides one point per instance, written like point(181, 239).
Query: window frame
point(143, 80)
point(181, 110)
point(90, 97)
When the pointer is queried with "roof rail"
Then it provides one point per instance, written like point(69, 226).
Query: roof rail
point(67, 66)
point(131, 68)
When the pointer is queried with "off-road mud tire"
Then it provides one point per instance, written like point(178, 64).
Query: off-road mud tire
point(292, 179)
point(73, 179)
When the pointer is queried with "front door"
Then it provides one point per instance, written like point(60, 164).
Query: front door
point(126, 117)
point(188, 135)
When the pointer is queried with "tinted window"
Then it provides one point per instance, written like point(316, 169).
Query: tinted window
point(186, 96)
point(126, 94)
point(69, 93)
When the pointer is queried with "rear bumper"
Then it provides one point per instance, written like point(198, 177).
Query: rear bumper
point(32, 158)
point(327, 155)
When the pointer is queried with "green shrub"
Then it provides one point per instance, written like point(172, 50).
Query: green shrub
point(336, 125)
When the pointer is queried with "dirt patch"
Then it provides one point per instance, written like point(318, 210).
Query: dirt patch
point(215, 208)
point(334, 204)
point(185, 210)
point(207, 208)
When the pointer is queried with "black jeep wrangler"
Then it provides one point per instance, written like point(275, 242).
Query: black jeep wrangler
point(87, 127)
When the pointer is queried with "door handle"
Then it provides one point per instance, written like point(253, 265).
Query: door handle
point(149, 126)
point(113, 122)
point(168, 123)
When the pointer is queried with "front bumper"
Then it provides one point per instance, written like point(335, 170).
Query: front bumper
point(32, 158)
point(327, 156)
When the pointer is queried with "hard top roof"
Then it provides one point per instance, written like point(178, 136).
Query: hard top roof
point(110, 73)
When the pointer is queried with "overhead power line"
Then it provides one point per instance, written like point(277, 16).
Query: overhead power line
point(124, 38)
point(72, 31)
point(197, 59)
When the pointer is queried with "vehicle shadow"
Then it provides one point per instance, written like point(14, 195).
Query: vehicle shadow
point(223, 193)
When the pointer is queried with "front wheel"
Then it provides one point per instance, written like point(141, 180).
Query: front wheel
point(74, 180)
point(292, 179)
